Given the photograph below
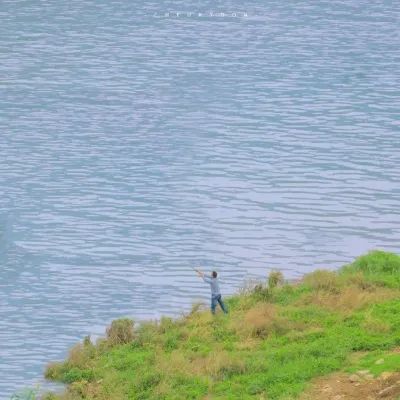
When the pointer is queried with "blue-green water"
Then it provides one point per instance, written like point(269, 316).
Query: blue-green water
point(134, 145)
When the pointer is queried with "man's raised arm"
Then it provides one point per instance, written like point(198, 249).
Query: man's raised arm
point(203, 275)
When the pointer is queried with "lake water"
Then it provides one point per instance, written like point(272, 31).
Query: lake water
point(136, 144)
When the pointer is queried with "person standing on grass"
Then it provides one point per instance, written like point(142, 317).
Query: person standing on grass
point(215, 292)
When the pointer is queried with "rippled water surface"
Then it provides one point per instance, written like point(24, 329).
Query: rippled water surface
point(134, 145)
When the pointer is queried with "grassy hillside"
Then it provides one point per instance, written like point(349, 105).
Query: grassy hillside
point(275, 340)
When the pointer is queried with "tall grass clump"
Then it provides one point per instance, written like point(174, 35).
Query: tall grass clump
point(323, 280)
point(121, 331)
point(264, 319)
point(275, 278)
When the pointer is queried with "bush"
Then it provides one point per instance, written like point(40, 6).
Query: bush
point(55, 370)
point(121, 331)
point(262, 293)
point(77, 374)
point(376, 262)
point(275, 278)
point(377, 267)
point(323, 280)
point(262, 320)
point(80, 354)
point(166, 324)
point(359, 280)
point(147, 333)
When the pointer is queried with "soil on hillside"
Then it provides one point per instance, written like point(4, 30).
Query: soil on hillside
point(359, 386)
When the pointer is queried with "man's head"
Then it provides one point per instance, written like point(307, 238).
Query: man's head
point(214, 274)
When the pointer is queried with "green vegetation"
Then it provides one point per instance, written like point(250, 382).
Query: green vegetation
point(276, 338)
point(27, 394)
point(377, 362)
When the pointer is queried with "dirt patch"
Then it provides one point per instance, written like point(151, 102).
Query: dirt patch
point(396, 350)
point(360, 386)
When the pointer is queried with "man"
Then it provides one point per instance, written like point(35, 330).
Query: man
point(215, 292)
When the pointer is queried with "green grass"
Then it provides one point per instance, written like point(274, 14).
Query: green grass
point(377, 267)
point(275, 339)
point(377, 362)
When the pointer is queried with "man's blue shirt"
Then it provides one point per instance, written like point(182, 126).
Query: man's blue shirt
point(214, 284)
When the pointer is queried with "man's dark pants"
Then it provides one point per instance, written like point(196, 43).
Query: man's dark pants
point(216, 298)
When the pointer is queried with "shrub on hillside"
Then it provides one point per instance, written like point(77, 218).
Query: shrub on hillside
point(262, 293)
point(120, 331)
point(323, 280)
point(55, 370)
point(376, 262)
point(80, 354)
point(359, 280)
point(275, 278)
point(263, 320)
point(147, 332)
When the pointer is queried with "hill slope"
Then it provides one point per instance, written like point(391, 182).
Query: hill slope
point(275, 340)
